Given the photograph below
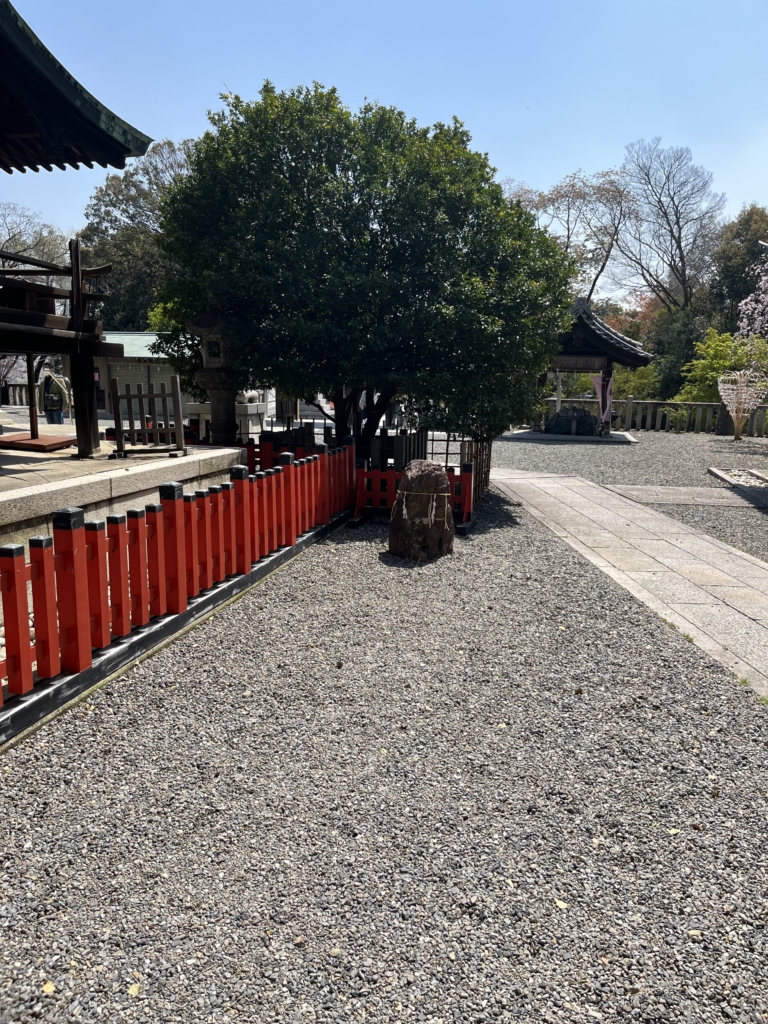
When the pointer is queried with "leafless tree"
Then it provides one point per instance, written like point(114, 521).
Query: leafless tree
point(668, 239)
point(23, 232)
point(585, 214)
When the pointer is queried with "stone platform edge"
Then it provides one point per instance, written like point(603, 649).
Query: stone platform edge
point(28, 710)
point(42, 500)
point(536, 437)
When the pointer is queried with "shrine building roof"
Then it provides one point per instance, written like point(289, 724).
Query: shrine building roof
point(47, 119)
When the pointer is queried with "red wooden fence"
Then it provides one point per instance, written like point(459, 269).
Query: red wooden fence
point(377, 490)
point(91, 585)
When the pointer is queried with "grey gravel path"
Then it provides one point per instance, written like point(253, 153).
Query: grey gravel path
point(672, 460)
point(488, 789)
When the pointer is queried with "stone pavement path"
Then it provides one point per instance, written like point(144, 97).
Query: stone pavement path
point(712, 592)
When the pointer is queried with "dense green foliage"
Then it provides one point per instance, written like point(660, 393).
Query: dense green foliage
point(346, 252)
point(122, 228)
point(716, 354)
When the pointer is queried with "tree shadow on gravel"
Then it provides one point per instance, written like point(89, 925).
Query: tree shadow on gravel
point(494, 511)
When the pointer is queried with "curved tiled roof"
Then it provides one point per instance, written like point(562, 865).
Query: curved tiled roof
point(47, 119)
point(583, 312)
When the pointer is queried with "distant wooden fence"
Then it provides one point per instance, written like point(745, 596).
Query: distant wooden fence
point(639, 414)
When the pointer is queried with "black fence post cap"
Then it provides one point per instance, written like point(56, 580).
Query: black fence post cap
point(116, 519)
point(214, 489)
point(12, 551)
point(68, 518)
point(278, 469)
point(269, 472)
point(154, 508)
point(171, 491)
point(136, 513)
point(238, 473)
point(321, 448)
point(349, 440)
point(360, 463)
point(189, 497)
point(260, 475)
point(266, 435)
point(286, 459)
point(201, 494)
point(41, 542)
point(95, 525)
point(227, 487)
point(467, 467)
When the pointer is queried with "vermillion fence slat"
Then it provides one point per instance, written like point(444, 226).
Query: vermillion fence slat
point(119, 593)
point(204, 538)
point(217, 532)
point(289, 498)
point(322, 484)
point(72, 589)
point(44, 607)
point(156, 560)
point(269, 498)
point(175, 555)
point(280, 513)
point(261, 500)
point(241, 497)
point(254, 506)
point(228, 512)
point(137, 566)
point(18, 642)
point(98, 584)
point(191, 547)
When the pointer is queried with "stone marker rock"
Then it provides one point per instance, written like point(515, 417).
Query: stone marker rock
point(421, 526)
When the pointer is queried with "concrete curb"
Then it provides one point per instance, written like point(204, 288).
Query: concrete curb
point(25, 711)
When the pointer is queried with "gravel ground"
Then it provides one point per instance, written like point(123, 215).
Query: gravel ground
point(667, 460)
point(491, 788)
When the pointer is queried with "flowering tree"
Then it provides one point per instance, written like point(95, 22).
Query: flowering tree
point(742, 391)
point(753, 311)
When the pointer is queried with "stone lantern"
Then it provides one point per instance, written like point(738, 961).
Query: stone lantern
point(217, 377)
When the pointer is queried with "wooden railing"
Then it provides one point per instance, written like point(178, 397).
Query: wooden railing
point(640, 414)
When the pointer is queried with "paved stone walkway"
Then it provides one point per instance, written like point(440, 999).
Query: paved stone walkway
point(713, 593)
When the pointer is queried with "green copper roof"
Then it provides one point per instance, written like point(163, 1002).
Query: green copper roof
point(47, 118)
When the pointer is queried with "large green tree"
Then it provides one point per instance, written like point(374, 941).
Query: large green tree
point(347, 252)
point(122, 228)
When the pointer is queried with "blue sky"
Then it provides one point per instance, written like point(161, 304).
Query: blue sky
point(545, 87)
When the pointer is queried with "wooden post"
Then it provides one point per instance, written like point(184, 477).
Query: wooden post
point(34, 432)
point(82, 369)
point(18, 645)
point(72, 589)
point(43, 576)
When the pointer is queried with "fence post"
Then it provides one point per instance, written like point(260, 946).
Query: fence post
point(351, 488)
point(44, 604)
point(172, 500)
point(323, 515)
point(270, 526)
point(18, 642)
point(253, 489)
point(191, 546)
point(241, 497)
point(96, 548)
point(467, 489)
point(230, 535)
point(156, 559)
point(261, 503)
point(117, 546)
point(137, 566)
point(72, 589)
point(217, 532)
point(289, 498)
point(204, 549)
point(279, 495)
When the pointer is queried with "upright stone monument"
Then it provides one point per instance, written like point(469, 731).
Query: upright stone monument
point(421, 527)
point(218, 378)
